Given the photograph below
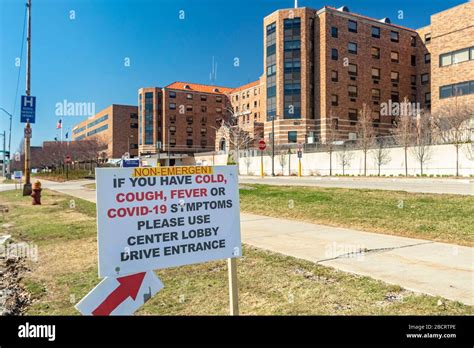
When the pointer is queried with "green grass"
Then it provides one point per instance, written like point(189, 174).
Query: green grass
point(61, 176)
point(90, 186)
point(269, 283)
point(444, 218)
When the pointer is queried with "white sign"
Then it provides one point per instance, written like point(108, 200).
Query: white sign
point(17, 174)
point(160, 217)
point(120, 296)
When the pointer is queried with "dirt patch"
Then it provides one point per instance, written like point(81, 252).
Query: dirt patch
point(13, 298)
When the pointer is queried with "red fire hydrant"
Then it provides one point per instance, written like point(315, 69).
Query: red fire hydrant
point(36, 193)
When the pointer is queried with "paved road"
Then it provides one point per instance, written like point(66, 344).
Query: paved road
point(439, 269)
point(449, 186)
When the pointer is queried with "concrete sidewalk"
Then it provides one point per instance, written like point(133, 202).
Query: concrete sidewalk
point(438, 269)
point(463, 186)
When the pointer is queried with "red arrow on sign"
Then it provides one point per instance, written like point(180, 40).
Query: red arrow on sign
point(129, 287)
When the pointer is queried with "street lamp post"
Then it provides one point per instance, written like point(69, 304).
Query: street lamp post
point(9, 139)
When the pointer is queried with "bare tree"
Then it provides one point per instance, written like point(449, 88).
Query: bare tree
point(452, 123)
point(237, 137)
point(365, 132)
point(247, 161)
point(404, 134)
point(421, 148)
point(282, 160)
point(381, 154)
point(345, 156)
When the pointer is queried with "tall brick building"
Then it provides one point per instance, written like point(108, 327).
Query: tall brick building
point(322, 66)
point(116, 125)
point(449, 41)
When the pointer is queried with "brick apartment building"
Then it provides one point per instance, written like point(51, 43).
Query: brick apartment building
point(181, 117)
point(322, 66)
point(116, 125)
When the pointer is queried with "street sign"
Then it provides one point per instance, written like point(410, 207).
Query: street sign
point(261, 145)
point(158, 217)
point(17, 174)
point(67, 159)
point(17, 157)
point(130, 163)
point(300, 154)
point(28, 109)
point(28, 132)
point(300, 147)
point(120, 295)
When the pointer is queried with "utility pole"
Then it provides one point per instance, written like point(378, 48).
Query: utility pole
point(9, 140)
point(4, 155)
point(27, 187)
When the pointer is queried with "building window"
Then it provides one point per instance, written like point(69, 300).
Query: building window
point(334, 76)
point(413, 80)
point(203, 97)
point(352, 91)
point(427, 58)
point(375, 73)
point(394, 96)
point(189, 142)
point(461, 88)
point(189, 96)
point(352, 47)
point(352, 26)
point(413, 41)
point(394, 36)
point(375, 52)
point(376, 32)
point(334, 100)
point(427, 99)
point(394, 76)
point(172, 94)
point(218, 99)
point(353, 116)
point(425, 78)
point(172, 106)
point(413, 60)
point(427, 38)
point(334, 32)
point(352, 68)
point(445, 59)
point(219, 110)
point(375, 94)
point(292, 136)
point(203, 108)
point(334, 54)
point(394, 56)
point(446, 91)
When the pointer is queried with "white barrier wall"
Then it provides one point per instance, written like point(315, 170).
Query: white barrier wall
point(442, 161)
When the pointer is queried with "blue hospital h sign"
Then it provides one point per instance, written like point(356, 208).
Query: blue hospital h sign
point(28, 109)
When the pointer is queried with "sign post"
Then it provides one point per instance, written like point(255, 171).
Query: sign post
point(151, 218)
point(261, 146)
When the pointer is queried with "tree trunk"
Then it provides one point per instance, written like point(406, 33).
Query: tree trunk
point(330, 163)
point(365, 162)
point(421, 167)
point(457, 159)
point(406, 161)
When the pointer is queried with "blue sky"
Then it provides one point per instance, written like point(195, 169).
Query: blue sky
point(82, 59)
